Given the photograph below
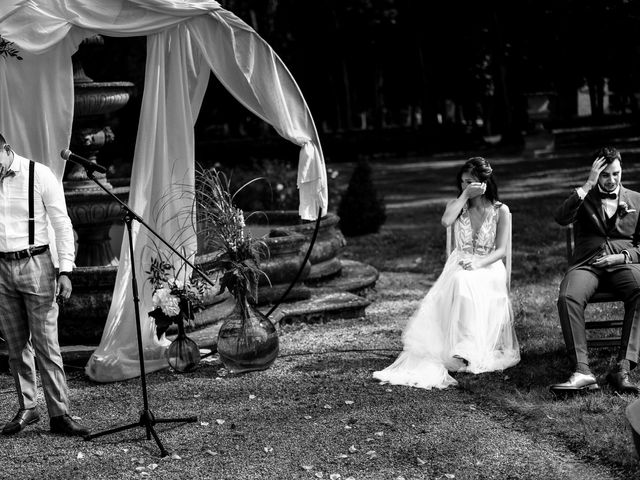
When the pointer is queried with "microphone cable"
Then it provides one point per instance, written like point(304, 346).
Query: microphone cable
point(304, 263)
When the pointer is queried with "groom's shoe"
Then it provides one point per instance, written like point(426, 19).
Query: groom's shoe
point(619, 381)
point(578, 382)
point(24, 417)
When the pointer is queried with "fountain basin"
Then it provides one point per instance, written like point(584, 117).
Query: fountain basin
point(83, 317)
point(98, 98)
point(324, 259)
point(92, 214)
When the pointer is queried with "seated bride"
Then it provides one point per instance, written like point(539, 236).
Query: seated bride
point(465, 322)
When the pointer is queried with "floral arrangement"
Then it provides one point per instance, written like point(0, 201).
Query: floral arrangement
point(221, 228)
point(175, 297)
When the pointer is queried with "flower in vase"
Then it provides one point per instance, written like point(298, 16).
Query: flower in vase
point(174, 297)
point(222, 230)
point(167, 302)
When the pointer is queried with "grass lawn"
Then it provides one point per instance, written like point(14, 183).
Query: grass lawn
point(317, 413)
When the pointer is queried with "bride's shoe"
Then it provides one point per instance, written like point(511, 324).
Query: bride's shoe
point(463, 361)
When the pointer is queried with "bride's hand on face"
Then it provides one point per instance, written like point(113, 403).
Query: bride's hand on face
point(475, 189)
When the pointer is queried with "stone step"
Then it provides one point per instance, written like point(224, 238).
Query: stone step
point(355, 277)
point(322, 307)
point(595, 135)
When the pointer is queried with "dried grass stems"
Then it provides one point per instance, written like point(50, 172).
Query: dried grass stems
point(212, 215)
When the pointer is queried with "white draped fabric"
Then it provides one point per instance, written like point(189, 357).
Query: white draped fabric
point(186, 40)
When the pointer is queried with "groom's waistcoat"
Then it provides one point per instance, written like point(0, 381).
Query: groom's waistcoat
point(594, 232)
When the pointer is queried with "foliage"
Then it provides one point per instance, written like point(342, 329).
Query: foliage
point(221, 229)
point(279, 188)
point(361, 210)
point(7, 49)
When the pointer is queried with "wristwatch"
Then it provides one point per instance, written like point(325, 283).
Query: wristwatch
point(66, 274)
point(627, 256)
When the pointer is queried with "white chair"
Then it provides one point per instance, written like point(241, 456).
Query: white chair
point(507, 259)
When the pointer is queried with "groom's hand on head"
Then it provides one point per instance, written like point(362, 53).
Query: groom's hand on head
point(599, 164)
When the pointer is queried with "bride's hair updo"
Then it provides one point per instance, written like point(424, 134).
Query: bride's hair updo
point(480, 169)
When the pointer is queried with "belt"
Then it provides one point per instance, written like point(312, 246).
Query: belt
point(28, 252)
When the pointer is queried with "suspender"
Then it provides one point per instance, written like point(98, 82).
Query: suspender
point(31, 214)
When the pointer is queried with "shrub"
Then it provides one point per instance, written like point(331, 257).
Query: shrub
point(278, 190)
point(361, 209)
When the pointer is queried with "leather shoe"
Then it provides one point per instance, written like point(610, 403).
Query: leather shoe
point(66, 425)
point(620, 382)
point(24, 417)
point(578, 382)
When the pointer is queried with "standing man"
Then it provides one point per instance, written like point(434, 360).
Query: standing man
point(606, 255)
point(29, 194)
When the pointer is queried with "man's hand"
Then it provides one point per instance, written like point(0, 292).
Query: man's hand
point(605, 261)
point(475, 189)
point(596, 169)
point(63, 288)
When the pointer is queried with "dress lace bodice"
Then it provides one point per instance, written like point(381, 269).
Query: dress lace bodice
point(483, 241)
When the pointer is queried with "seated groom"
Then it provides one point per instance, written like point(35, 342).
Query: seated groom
point(607, 255)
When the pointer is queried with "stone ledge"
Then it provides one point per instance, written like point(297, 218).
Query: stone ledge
point(320, 308)
point(355, 277)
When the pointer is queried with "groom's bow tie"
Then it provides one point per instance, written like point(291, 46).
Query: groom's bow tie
point(604, 195)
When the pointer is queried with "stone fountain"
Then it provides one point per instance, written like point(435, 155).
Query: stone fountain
point(92, 212)
point(328, 285)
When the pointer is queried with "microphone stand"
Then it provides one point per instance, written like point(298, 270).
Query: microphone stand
point(147, 418)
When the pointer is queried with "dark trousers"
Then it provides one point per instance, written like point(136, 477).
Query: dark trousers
point(578, 286)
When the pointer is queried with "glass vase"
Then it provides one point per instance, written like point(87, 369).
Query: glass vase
point(183, 354)
point(247, 340)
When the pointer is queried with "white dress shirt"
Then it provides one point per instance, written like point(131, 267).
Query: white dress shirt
point(610, 205)
point(48, 202)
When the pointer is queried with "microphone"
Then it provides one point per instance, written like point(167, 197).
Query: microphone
point(77, 159)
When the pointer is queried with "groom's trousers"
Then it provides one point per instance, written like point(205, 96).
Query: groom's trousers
point(578, 286)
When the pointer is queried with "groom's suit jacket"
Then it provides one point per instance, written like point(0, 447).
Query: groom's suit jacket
point(594, 233)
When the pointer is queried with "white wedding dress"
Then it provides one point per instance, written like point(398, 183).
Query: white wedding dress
point(466, 315)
